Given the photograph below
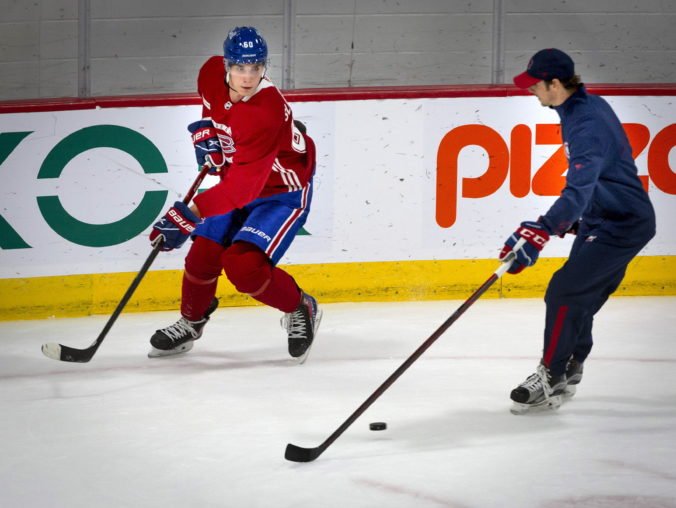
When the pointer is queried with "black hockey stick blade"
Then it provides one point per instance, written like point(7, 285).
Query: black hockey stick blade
point(299, 454)
point(57, 351)
point(63, 353)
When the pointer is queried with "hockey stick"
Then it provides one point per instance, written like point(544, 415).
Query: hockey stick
point(299, 454)
point(68, 354)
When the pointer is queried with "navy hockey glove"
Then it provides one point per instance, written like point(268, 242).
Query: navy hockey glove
point(207, 146)
point(536, 238)
point(175, 227)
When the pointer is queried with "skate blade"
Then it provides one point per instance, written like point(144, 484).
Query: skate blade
point(161, 353)
point(551, 404)
point(301, 359)
point(569, 391)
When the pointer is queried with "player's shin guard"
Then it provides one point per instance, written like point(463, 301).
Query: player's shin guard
point(200, 277)
point(249, 270)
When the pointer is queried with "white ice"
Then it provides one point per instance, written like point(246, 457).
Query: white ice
point(209, 429)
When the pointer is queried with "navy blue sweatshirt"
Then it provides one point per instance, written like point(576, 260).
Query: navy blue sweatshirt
point(602, 189)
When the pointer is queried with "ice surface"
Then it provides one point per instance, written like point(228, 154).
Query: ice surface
point(209, 428)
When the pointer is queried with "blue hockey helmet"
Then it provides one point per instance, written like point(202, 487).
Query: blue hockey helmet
point(244, 45)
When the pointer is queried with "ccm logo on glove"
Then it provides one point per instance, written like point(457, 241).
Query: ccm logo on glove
point(533, 236)
point(536, 238)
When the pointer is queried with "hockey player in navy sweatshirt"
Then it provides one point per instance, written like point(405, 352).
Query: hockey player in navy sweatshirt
point(603, 203)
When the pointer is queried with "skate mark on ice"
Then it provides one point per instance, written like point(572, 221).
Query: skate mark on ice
point(640, 469)
point(612, 501)
point(419, 496)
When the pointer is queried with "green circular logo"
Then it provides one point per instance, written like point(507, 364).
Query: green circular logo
point(102, 235)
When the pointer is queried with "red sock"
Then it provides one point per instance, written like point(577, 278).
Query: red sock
point(250, 271)
point(200, 278)
point(281, 293)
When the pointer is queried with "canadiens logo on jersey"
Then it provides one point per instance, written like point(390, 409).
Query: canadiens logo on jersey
point(227, 143)
point(224, 134)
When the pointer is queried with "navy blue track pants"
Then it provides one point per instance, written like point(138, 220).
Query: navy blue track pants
point(575, 293)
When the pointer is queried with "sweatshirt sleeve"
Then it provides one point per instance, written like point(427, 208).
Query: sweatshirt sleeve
point(585, 161)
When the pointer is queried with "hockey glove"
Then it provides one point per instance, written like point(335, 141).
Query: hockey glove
point(536, 238)
point(207, 146)
point(175, 227)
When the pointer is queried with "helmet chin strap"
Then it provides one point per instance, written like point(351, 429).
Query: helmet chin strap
point(227, 79)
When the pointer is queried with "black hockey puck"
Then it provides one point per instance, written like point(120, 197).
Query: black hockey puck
point(377, 426)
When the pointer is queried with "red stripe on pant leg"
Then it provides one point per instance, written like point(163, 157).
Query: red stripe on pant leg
point(287, 224)
point(556, 333)
point(282, 232)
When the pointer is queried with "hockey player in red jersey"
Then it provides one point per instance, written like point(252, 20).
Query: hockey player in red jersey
point(244, 224)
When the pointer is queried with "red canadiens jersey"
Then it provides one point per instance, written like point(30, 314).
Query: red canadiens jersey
point(266, 153)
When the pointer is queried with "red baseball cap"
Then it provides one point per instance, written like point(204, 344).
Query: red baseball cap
point(546, 64)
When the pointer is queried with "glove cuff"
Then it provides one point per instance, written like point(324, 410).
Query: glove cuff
point(204, 122)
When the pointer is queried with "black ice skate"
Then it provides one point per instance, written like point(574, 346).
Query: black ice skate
point(573, 376)
point(302, 325)
point(179, 337)
point(539, 391)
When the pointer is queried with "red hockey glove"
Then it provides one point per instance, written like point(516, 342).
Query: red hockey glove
point(536, 238)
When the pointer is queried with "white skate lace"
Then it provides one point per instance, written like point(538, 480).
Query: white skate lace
point(294, 324)
point(533, 382)
point(541, 372)
point(538, 381)
point(179, 329)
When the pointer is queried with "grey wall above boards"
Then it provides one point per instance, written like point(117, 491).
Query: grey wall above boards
point(66, 48)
